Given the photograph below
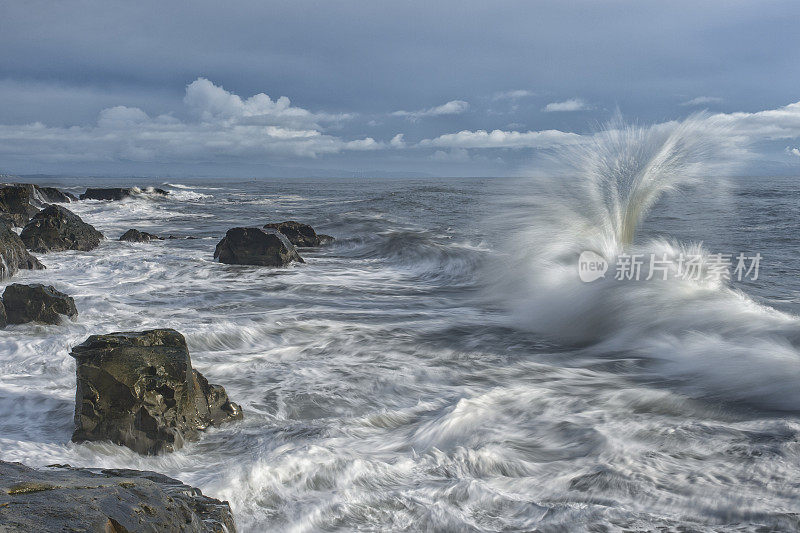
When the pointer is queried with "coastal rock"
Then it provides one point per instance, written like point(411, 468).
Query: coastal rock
point(13, 255)
point(3, 317)
point(134, 235)
point(324, 239)
point(56, 228)
point(52, 195)
point(37, 303)
point(61, 498)
point(256, 246)
point(299, 234)
point(138, 389)
point(118, 193)
point(15, 204)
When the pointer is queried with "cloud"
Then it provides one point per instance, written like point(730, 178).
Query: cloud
point(223, 125)
point(453, 107)
point(398, 141)
point(513, 95)
point(573, 104)
point(502, 139)
point(702, 100)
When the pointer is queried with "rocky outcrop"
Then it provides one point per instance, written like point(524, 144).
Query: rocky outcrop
point(3, 317)
point(299, 234)
point(138, 389)
point(61, 498)
point(15, 204)
point(37, 303)
point(13, 255)
point(134, 235)
point(256, 246)
point(118, 193)
point(56, 228)
point(52, 195)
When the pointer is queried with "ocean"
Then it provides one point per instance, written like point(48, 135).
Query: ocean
point(441, 366)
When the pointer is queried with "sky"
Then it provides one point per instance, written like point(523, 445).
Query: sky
point(376, 88)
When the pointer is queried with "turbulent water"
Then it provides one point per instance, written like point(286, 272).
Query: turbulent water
point(440, 367)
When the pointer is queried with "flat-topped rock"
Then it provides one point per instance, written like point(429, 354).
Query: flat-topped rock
point(118, 193)
point(56, 228)
point(62, 498)
point(134, 235)
point(13, 254)
point(138, 389)
point(256, 246)
point(299, 234)
point(37, 303)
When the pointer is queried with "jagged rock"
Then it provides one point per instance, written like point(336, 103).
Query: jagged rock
point(134, 235)
point(118, 193)
point(52, 195)
point(299, 234)
point(37, 303)
point(15, 204)
point(256, 246)
point(56, 228)
point(61, 498)
point(13, 255)
point(138, 389)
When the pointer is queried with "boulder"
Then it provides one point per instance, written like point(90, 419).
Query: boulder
point(3, 317)
point(56, 228)
point(138, 389)
point(13, 255)
point(118, 193)
point(299, 234)
point(61, 498)
point(37, 303)
point(52, 195)
point(15, 204)
point(134, 235)
point(256, 246)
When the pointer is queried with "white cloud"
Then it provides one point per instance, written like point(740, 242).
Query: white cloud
point(702, 100)
point(224, 125)
point(502, 139)
point(398, 141)
point(573, 104)
point(513, 95)
point(453, 107)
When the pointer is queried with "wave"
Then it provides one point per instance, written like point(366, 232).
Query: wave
point(705, 336)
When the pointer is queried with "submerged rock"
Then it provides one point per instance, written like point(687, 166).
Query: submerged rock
point(118, 193)
point(300, 234)
point(134, 235)
point(138, 389)
point(62, 498)
point(15, 204)
point(37, 303)
point(56, 228)
point(256, 246)
point(13, 255)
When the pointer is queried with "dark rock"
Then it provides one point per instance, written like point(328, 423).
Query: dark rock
point(118, 193)
point(324, 239)
point(51, 195)
point(37, 303)
point(62, 498)
point(56, 228)
point(3, 317)
point(134, 235)
point(15, 204)
point(188, 237)
point(298, 234)
point(138, 389)
point(13, 255)
point(256, 246)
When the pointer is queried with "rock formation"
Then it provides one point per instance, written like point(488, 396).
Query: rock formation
point(37, 303)
point(56, 228)
point(13, 255)
point(256, 246)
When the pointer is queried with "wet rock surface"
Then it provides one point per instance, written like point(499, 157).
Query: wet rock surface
point(37, 303)
point(15, 204)
point(13, 254)
point(138, 389)
point(118, 193)
point(134, 235)
point(56, 228)
point(256, 246)
point(62, 498)
point(299, 234)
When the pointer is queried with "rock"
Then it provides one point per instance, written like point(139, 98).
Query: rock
point(13, 255)
point(61, 498)
point(37, 303)
point(56, 228)
point(3, 317)
point(298, 234)
point(134, 235)
point(52, 195)
point(324, 239)
point(256, 246)
point(118, 193)
point(15, 204)
point(138, 389)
